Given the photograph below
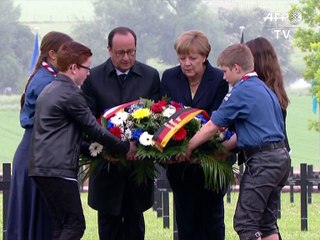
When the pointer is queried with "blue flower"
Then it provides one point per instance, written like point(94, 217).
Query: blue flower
point(134, 107)
point(136, 133)
point(110, 124)
point(229, 134)
point(202, 119)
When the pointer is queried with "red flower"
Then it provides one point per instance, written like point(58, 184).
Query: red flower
point(162, 103)
point(99, 120)
point(206, 115)
point(158, 106)
point(178, 106)
point(116, 131)
point(180, 135)
point(222, 129)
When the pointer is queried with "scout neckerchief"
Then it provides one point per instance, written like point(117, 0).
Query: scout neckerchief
point(249, 75)
point(50, 69)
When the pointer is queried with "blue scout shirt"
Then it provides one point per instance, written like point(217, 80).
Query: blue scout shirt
point(41, 79)
point(256, 112)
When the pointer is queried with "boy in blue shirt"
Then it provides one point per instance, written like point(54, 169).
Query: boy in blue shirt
point(255, 111)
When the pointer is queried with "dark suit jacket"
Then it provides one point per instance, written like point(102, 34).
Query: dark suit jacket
point(110, 183)
point(209, 95)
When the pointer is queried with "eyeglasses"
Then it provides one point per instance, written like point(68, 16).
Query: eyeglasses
point(121, 53)
point(88, 68)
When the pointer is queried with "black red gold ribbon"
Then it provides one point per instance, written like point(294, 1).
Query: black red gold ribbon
point(172, 125)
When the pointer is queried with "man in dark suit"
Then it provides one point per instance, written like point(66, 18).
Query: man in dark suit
point(120, 202)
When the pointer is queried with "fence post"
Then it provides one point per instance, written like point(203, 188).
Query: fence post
point(175, 226)
point(157, 205)
point(279, 207)
point(165, 201)
point(291, 186)
point(5, 187)
point(161, 185)
point(229, 194)
point(303, 195)
point(310, 183)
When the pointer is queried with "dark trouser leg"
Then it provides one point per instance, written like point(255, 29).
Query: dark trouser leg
point(199, 212)
point(133, 221)
point(265, 175)
point(110, 227)
point(130, 226)
point(63, 199)
point(134, 227)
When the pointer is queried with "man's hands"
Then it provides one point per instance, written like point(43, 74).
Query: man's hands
point(131, 154)
point(183, 157)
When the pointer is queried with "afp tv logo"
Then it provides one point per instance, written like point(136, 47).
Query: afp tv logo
point(282, 24)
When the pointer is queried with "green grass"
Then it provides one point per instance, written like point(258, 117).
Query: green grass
point(289, 224)
point(304, 142)
point(10, 130)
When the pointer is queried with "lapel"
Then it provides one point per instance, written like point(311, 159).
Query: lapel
point(183, 84)
point(204, 86)
point(202, 89)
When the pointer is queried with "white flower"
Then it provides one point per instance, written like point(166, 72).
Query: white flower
point(146, 139)
point(119, 118)
point(198, 119)
point(95, 148)
point(127, 133)
point(221, 136)
point(169, 111)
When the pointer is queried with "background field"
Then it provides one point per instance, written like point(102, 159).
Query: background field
point(289, 223)
point(35, 13)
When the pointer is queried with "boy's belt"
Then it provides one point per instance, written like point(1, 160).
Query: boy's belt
point(248, 152)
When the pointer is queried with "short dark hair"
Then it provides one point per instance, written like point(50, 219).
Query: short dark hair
point(123, 31)
point(72, 53)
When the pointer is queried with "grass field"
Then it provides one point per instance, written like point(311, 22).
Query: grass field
point(36, 15)
point(289, 224)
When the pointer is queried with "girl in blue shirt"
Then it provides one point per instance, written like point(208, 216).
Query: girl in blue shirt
point(28, 216)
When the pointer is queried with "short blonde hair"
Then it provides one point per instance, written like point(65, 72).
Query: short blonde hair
point(238, 54)
point(193, 41)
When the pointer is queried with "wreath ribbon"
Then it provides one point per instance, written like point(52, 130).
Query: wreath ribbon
point(112, 111)
point(172, 125)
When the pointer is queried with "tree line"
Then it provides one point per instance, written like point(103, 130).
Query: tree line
point(157, 24)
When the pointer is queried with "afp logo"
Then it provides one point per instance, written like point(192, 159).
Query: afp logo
point(283, 23)
point(295, 17)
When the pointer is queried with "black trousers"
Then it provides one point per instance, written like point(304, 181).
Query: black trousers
point(127, 226)
point(63, 200)
point(265, 175)
point(199, 211)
